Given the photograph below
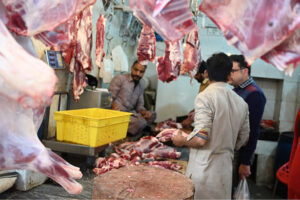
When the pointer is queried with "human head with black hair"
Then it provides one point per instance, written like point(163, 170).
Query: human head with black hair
point(137, 71)
point(219, 67)
point(202, 72)
point(240, 70)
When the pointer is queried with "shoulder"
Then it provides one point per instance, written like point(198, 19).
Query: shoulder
point(255, 93)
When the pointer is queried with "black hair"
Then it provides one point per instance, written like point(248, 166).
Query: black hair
point(202, 67)
point(219, 67)
point(242, 62)
point(136, 61)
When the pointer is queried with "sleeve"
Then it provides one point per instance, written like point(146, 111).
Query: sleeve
point(256, 102)
point(115, 87)
point(203, 118)
point(243, 135)
point(140, 102)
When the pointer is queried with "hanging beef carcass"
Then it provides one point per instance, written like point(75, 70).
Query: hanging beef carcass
point(286, 56)
point(171, 21)
point(168, 66)
point(100, 27)
point(26, 87)
point(30, 17)
point(254, 27)
point(146, 49)
point(191, 54)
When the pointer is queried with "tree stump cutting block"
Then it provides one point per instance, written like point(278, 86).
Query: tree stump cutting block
point(142, 182)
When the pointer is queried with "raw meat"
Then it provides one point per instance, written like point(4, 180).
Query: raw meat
point(173, 21)
point(168, 66)
point(104, 165)
point(146, 49)
point(254, 27)
point(167, 134)
point(159, 5)
point(61, 38)
point(26, 79)
point(100, 26)
point(146, 144)
point(165, 164)
point(191, 54)
point(169, 123)
point(30, 17)
point(165, 152)
point(26, 87)
point(286, 56)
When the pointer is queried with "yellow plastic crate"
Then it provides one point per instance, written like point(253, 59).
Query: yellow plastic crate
point(93, 127)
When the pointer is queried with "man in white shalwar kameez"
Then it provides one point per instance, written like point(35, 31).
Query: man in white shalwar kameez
point(221, 125)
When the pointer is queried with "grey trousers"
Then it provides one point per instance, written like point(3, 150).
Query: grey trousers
point(138, 123)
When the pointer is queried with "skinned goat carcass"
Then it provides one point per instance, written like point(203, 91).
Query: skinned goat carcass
point(191, 54)
point(146, 49)
point(31, 17)
point(254, 27)
point(100, 26)
point(26, 88)
point(286, 56)
point(168, 66)
point(171, 20)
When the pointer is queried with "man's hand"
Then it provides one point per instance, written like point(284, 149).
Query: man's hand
point(179, 139)
point(115, 106)
point(244, 171)
point(146, 114)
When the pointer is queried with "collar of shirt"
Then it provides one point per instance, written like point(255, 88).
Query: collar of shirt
point(246, 83)
point(205, 81)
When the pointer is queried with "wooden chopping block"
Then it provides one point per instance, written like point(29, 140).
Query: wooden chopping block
point(142, 182)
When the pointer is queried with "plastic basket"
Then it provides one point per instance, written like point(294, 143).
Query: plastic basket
point(92, 127)
point(283, 173)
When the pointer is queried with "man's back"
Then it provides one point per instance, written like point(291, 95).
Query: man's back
point(230, 118)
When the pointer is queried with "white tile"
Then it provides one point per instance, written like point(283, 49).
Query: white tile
point(288, 111)
point(269, 110)
point(289, 91)
point(286, 126)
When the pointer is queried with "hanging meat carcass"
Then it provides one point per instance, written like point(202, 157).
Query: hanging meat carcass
point(254, 27)
point(170, 19)
point(100, 26)
point(286, 56)
point(30, 17)
point(191, 54)
point(26, 87)
point(168, 66)
point(146, 49)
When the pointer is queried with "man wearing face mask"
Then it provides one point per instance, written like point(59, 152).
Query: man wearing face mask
point(245, 86)
point(127, 94)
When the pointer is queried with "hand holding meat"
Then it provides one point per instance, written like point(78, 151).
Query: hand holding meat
point(179, 139)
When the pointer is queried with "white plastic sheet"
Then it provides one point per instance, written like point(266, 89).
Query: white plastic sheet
point(120, 59)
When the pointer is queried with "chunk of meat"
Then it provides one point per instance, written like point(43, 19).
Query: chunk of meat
point(254, 27)
point(165, 152)
point(167, 134)
point(286, 56)
point(146, 49)
point(100, 27)
point(146, 144)
point(165, 164)
point(30, 17)
point(169, 123)
point(171, 22)
point(191, 54)
point(168, 66)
